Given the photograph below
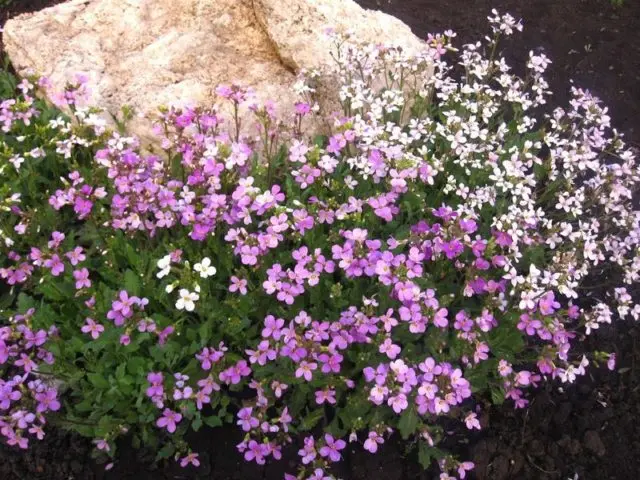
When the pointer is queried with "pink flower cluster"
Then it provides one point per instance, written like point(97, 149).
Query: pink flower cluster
point(437, 387)
point(24, 397)
point(81, 195)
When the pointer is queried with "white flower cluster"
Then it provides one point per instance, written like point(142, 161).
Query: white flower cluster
point(186, 298)
point(563, 189)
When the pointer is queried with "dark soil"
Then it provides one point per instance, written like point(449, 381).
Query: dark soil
point(591, 429)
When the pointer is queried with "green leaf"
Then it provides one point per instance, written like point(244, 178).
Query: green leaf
point(136, 366)
point(25, 302)
point(312, 419)
point(197, 423)
point(132, 282)
point(497, 395)
point(213, 421)
point(408, 423)
point(98, 380)
point(166, 451)
point(505, 341)
point(51, 291)
point(427, 454)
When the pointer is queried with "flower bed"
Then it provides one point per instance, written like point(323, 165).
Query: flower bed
point(434, 252)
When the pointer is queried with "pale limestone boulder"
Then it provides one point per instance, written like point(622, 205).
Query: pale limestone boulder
point(146, 53)
point(297, 29)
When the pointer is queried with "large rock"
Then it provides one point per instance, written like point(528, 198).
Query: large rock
point(145, 53)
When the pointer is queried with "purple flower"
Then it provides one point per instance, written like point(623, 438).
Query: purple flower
point(389, 348)
point(453, 248)
point(332, 448)
point(308, 452)
point(156, 380)
point(191, 458)
point(528, 324)
point(238, 285)
point(122, 308)
point(95, 329)
point(75, 256)
point(547, 304)
point(246, 420)
point(8, 395)
point(4, 352)
point(273, 327)
point(305, 369)
point(398, 402)
point(328, 395)
point(233, 375)
point(163, 335)
point(472, 421)
point(440, 318)
point(209, 356)
point(47, 400)
point(256, 451)
point(32, 339)
point(372, 442)
point(468, 225)
point(503, 239)
point(611, 362)
point(169, 420)
point(82, 278)
point(55, 265)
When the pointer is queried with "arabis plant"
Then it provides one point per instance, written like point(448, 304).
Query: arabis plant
point(438, 250)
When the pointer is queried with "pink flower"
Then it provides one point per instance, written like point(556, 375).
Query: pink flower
point(169, 420)
point(246, 420)
point(371, 443)
point(238, 285)
point(464, 467)
point(95, 329)
point(191, 458)
point(55, 265)
point(308, 452)
point(398, 402)
point(155, 379)
point(547, 304)
point(305, 369)
point(82, 278)
point(440, 318)
point(472, 422)
point(328, 395)
point(102, 444)
point(611, 362)
point(332, 448)
point(389, 348)
point(272, 327)
point(256, 451)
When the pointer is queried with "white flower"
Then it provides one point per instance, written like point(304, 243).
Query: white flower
point(527, 300)
point(205, 268)
point(16, 161)
point(534, 272)
point(187, 300)
point(164, 264)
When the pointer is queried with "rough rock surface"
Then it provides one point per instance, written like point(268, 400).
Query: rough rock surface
point(146, 53)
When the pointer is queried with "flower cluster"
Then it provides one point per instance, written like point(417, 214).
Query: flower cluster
point(25, 397)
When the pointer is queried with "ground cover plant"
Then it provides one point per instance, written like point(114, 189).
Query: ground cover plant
point(432, 253)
